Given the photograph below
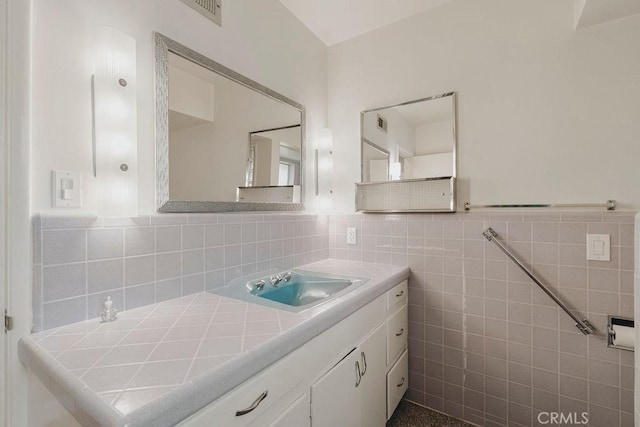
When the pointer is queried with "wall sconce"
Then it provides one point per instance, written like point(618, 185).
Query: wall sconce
point(324, 168)
point(115, 123)
point(395, 170)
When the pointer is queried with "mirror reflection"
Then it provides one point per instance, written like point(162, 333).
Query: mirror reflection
point(275, 156)
point(418, 138)
point(229, 142)
point(375, 163)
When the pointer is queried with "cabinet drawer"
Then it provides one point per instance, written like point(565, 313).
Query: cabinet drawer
point(397, 296)
point(397, 383)
point(277, 381)
point(295, 415)
point(397, 331)
point(290, 411)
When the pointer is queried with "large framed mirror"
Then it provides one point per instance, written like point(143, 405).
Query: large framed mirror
point(223, 142)
point(409, 155)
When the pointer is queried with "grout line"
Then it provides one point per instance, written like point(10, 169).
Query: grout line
point(145, 362)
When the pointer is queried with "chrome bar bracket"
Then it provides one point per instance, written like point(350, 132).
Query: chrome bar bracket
point(586, 327)
point(489, 234)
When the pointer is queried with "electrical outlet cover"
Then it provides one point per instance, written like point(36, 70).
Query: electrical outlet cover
point(351, 235)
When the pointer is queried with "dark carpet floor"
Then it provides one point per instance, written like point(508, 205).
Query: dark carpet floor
point(411, 415)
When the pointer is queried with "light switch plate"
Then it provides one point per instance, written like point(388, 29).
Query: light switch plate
point(351, 235)
point(66, 189)
point(598, 247)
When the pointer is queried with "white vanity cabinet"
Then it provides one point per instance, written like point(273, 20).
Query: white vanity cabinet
point(352, 393)
point(269, 398)
point(336, 399)
point(397, 355)
point(341, 377)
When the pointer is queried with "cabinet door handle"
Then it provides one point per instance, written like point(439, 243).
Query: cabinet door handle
point(364, 363)
point(400, 333)
point(400, 294)
point(401, 383)
point(254, 405)
point(358, 374)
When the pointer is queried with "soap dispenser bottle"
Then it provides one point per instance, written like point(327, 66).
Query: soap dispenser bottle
point(109, 314)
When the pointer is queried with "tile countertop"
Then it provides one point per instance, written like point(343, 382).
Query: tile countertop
point(158, 364)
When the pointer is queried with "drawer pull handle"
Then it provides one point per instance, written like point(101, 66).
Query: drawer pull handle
point(364, 363)
point(254, 405)
point(358, 374)
point(401, 383)
point(400, 333)
point(400, 294)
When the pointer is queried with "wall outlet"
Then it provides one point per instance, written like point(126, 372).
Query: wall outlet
point(351, 235)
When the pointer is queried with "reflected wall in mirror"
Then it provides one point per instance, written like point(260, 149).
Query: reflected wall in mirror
point(224, 142)
point(274, 157)
point(375, 162)
point(420, 137)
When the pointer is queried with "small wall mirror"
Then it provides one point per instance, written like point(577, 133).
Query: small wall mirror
point(413, 142)
point(418, 138)
point(224, 142)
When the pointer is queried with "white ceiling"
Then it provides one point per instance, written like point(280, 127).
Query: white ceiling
point(594, 12)
point(432, 111)
point(334, 21)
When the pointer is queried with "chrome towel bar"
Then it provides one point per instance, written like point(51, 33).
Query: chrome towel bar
point(610, 205)
point(582, 324)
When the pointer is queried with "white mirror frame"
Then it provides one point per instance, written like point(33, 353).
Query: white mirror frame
point(164, 45)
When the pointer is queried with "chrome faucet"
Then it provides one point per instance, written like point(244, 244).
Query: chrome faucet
point(278, 278)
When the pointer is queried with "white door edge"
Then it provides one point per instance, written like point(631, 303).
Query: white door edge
point(3, 207)
point(15, 217)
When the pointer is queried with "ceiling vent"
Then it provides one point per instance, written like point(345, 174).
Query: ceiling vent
point(382, 123)
point(211, 9)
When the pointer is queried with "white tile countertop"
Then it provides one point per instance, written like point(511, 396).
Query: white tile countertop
point(158, 364)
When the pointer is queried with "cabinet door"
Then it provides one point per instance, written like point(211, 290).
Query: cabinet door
point(335, 397)
point(373, 385)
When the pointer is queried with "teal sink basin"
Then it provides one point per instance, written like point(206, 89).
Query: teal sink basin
point(294, 290)
point(299, 289)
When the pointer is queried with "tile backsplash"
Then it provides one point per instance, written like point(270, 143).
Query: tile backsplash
point(485, 343)
point(79, 261)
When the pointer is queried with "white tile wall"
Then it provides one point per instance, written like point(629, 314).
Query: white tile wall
point(79, 261)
